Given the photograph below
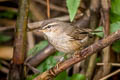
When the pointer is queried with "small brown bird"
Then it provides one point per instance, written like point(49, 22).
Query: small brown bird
point(66, 37)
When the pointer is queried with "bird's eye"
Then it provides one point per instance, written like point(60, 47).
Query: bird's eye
point(48, 26)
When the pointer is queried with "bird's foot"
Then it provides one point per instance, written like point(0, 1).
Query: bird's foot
point(76, 54)
point(60, 60)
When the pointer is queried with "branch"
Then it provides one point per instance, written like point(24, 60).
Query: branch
point(42, 55)
point(50, 74)
point(6, 28)
point(20, 47)
point(109, 75)
point(106, 24)
point(112, 64)
point(52, 6)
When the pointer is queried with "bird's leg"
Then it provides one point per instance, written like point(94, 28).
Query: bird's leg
point(61, 60)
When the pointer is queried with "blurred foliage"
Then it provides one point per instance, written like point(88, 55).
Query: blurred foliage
point(78, 77)
point(114, 17)
point(31, 77)
point(49, 62)
point(37, 47)
point(4, 38)
point(72, 6)
point(98, 59)
point(62, 75)
point(115, 6)
point(9, 14)
point(115, 11)
point(116, 46)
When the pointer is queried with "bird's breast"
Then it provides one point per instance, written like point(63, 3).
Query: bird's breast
point(62, 42)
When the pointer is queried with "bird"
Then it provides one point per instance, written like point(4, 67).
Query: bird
point(66, 37)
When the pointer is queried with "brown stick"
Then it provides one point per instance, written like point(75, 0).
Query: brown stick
point(52, 6)
point(94, 19)
point(6, 28)
point(48, 8)
point(50, 74)
point(109, 75)
point(42, 55)
point(112, 64)
point(17, 70)
point(106, 24)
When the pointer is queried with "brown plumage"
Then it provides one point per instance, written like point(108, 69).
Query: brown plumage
point(66, 37)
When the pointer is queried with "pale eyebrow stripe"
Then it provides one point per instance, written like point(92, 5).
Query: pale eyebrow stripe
point(54, 23)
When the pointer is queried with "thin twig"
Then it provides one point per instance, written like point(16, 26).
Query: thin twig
point(109, 75)
point(8, 8)
point(48, 8)
point(4, 69)
point(113, 64)
point(6, 28)
point(52, 6)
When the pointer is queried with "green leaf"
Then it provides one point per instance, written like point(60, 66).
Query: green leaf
point(78, 77)
point(47, 64)
point(114, 17)
point(114, 27)
point(38, 47)
point(62, 76)
point(4, 38)
point(72, 6)
point(99, 34)
point(115, 6)
point(116, 46)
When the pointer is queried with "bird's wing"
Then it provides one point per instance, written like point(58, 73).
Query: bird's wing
point(80, 33)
